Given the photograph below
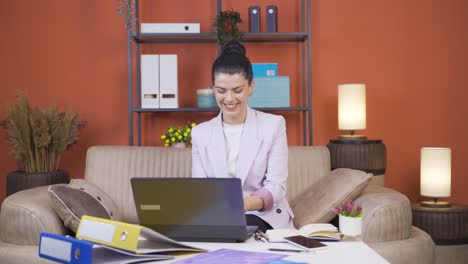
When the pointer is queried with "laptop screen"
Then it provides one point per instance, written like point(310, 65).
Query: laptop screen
point(185, 207)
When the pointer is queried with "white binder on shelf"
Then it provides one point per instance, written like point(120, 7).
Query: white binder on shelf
point(168, 83)
point(149, 81)
point(170, 27)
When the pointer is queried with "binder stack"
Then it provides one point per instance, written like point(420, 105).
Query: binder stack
point(101, 240)
point(159, 81)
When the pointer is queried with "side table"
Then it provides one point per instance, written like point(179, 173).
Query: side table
point(448, 227)
point(366, 155)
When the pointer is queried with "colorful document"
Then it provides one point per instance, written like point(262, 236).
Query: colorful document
point(232, 257)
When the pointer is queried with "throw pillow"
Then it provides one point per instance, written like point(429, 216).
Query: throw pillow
point(314, 204)
point(78, 198)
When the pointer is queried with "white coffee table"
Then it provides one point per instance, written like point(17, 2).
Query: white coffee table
point(336, 252)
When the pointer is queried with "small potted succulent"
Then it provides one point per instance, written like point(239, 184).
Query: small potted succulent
point(350, 218)
point(226, 26)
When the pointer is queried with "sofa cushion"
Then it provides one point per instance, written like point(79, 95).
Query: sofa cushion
point(314, 204)
point(78, 198)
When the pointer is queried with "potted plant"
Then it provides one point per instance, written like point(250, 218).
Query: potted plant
point(350, 218)
point(37, 139)
point(127, 11)
point(178, 136)
point(226, 26)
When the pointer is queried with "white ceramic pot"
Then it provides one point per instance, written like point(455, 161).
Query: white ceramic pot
point(350, 226)
point(178, 145)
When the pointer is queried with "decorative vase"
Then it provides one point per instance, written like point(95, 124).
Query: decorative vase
point(178, 145)
point(350, 226)
point(21, 180)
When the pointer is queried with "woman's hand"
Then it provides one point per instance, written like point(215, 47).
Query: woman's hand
point(252, 203)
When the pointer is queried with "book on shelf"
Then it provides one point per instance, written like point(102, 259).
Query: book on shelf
point(130, 237)
point(318, 231)
point(66, 249)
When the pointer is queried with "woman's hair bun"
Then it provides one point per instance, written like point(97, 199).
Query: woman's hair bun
point(234, 47)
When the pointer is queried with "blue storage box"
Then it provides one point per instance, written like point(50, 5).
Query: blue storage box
point(270, 92)
point(206, 98)
point(264, 69)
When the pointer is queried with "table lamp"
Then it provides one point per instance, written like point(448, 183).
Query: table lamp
point(352, 109)
point(356, 151)
point(435, 175)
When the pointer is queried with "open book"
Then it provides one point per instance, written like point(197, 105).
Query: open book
point(318, 231)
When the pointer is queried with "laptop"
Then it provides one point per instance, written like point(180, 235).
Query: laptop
point(192, 209)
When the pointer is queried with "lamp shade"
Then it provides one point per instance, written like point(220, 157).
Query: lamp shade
point(436, 172)
point(351, 106)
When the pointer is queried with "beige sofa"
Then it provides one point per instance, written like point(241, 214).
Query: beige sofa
point(24, 215)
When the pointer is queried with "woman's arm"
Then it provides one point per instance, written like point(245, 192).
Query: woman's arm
point(197, 169)
point(275, 183)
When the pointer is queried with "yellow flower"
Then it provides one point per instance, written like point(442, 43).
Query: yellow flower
point(177, 134)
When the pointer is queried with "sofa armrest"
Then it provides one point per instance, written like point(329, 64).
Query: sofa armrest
point(387, 214)
point(25, 214)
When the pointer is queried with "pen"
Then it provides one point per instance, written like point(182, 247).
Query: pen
point(286, 250)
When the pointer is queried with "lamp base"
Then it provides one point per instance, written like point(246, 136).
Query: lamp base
point(352, 137)
point(435, 204)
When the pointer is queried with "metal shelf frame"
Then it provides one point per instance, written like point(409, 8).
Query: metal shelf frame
point(143, 38)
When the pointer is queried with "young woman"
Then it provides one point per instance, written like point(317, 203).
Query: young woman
point(244, 143)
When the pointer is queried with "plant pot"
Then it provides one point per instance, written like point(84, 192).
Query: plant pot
point(21, 180)
point(178, 145)
point(350, 226)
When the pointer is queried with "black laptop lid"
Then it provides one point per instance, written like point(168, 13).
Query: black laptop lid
point(191, 209)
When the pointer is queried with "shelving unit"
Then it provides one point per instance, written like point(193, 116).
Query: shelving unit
point(145, 38)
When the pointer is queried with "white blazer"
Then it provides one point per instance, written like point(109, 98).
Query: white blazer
point(262, 160)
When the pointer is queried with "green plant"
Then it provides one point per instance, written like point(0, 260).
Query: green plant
point(127, 11)
point(39, 137)
point(350, 209)
point(177, 134)
point(226, 26)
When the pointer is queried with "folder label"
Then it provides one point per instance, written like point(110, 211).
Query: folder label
point(97, 230)
point(55, 248)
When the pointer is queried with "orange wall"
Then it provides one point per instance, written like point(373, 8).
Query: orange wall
point(411, 54)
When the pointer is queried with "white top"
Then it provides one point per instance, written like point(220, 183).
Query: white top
point(232, 134)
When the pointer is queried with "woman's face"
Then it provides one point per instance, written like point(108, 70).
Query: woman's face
point(232, 92)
